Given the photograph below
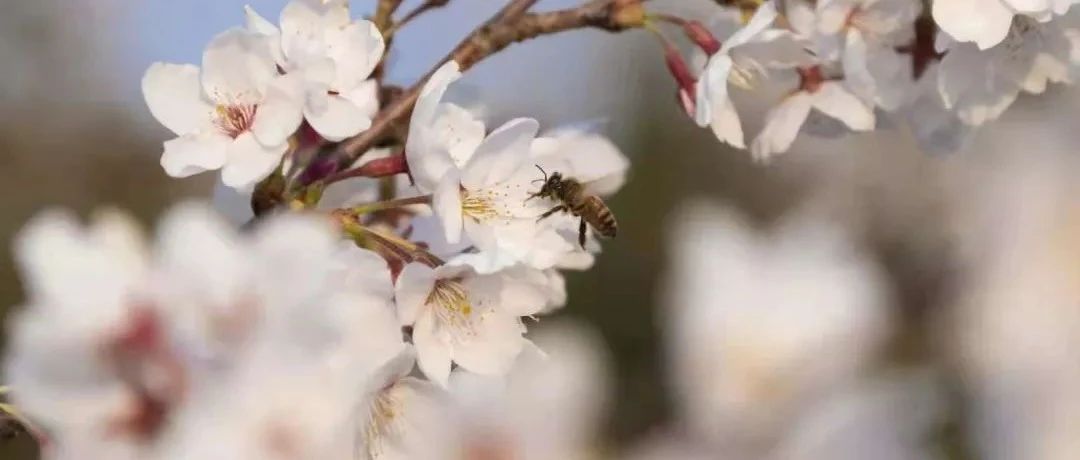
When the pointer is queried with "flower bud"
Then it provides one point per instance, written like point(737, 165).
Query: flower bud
point(701, 36)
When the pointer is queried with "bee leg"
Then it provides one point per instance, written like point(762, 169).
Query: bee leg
point(550, 212)
point(581, 233)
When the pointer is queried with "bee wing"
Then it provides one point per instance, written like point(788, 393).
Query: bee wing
point(603, 187)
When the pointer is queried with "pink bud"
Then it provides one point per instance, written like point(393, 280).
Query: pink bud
point(701, 37)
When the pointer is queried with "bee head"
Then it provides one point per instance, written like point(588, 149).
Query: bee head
point(551, 184)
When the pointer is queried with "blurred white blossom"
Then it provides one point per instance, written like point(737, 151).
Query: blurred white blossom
point(212, 345)
point(760, 326)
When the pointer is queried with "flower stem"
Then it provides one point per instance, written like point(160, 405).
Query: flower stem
point(389, 245)
point(389, 204)
point(382, 167)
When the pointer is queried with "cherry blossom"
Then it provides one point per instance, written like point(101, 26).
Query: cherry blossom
point(829, 97)
point(980, 84)
point(713, 105)
point(335, 57)
point(988, 22)
point(546, 406)
point(221, 336)
point(480, 188)
point(234, 115)
point(872, 31)
point(463, 317)
point(747, 313)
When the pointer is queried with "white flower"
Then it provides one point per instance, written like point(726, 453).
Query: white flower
point(546, 407)
point(84, 288)
point(209, 349)
point(590, 158)
point(980, 84)
point(398, 412)
point(235, 116)
point(895, 417)
point(482, 187)
point(713, 104)
point(987, 22)
point(335, 56)
point(442, 135)
point(749, 318)
point(1018, 322)
point(783, 122)
point(871, 31)
point(471, 319)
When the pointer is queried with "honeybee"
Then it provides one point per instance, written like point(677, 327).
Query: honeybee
point(574, 199)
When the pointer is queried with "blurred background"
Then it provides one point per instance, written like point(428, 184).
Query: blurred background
point(74, 133)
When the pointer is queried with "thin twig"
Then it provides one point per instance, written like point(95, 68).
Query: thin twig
point(384, 13)
point(389, 204)
point(486, 40)
point(421, 9)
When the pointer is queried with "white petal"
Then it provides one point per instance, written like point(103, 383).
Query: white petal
point(446, 203)
point(524, 290)
point(279, 114)
point(726, 125)
point(836, 101)
point(365, 96)
point(248, 161)
point(237, 66)
point(430, 96)
point(712, 88)
point(256, 23)
point(856, 73)
point(762, 19)
point(195, 153)
point(833, 15)
point(201, 256)
point(414, 285)
point(304, 23)
point(985, 22)
point(502, 153)
point(494, 349)
point(338, 119)
point(782, 125)
point(459, 131)
point(979, 85)
point(432, 354)
point(356, 49)
point(1029, 7)
point(173, 95)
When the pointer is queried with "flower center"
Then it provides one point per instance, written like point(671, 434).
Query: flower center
point(234, 120)
point(480, 205)
point(382, 421)
point(451, 305)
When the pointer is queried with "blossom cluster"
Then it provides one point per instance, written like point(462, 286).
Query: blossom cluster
point(857, 65)
point(400, 245)
point(345, 327)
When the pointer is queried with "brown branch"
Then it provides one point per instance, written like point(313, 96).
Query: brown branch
point(384, 14)
point(490, 38)
point(510, 25)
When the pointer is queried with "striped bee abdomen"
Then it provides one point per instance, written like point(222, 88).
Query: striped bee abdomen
point(597, 214)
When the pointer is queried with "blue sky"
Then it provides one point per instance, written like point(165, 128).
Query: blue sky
point(516, 82)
